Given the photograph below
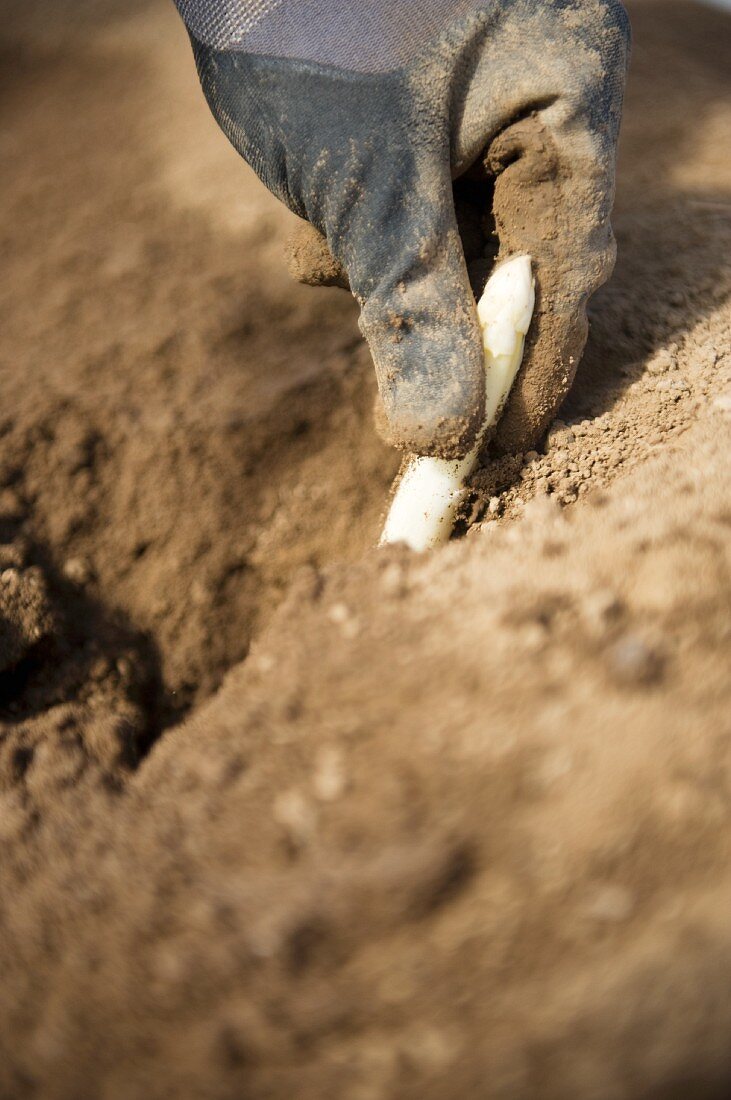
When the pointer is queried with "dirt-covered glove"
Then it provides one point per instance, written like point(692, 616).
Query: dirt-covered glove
point(359, 114)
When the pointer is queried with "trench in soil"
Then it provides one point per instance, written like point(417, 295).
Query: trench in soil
point(301, 486)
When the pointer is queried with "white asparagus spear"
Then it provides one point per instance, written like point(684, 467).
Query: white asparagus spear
point(430, 490)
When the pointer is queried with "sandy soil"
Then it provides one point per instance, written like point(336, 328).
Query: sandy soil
point(283, 816)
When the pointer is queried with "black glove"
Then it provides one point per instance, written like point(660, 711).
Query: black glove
point(360, 115)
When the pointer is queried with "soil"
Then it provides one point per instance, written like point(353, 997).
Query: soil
point(282, 815)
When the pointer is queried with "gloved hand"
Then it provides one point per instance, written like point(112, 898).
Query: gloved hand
point(359, 114)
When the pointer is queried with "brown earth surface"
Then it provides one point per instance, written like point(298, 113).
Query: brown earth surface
point(286, 817)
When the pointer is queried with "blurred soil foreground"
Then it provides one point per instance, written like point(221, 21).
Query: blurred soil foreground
point(283, 817)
